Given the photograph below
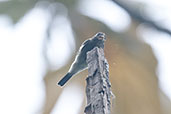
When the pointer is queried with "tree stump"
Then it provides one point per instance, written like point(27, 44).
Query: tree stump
point(98, 86)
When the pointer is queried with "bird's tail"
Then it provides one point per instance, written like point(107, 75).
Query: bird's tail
point(65, 79)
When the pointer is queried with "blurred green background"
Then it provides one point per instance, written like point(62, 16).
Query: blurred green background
point(39, 40)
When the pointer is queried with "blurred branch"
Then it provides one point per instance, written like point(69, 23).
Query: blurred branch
point(98, 85)
point(16, 9)
point(134, 14)
point(54, 11)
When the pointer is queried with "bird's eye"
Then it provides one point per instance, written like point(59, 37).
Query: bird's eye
point(100, 37)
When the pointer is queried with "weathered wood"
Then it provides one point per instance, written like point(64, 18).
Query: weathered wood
point(98, 85)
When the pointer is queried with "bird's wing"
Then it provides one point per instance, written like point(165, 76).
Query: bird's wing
point(82, 46)
point(85, 42)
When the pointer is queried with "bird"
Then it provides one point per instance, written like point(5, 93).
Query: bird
point(79, 64)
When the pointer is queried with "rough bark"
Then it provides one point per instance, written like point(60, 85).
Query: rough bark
point(98, 85)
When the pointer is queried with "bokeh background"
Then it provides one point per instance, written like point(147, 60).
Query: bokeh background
point(39, 40)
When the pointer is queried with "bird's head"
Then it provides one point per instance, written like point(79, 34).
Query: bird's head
point(100, 36)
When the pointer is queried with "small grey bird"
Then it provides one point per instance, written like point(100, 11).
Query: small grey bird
point(79, 63)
